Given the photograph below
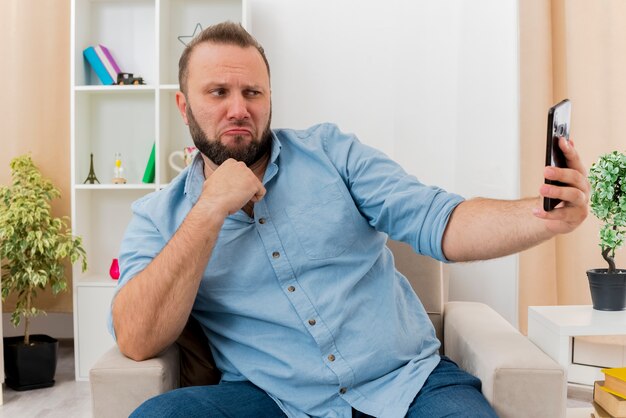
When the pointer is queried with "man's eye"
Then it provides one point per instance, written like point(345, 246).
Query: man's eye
point(252, 93)
point(218, 92)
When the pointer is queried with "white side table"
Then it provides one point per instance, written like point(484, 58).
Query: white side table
point(552, 329)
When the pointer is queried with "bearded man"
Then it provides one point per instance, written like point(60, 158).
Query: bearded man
point(275, 242)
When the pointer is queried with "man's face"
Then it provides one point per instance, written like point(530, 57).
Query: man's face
point(227, 106)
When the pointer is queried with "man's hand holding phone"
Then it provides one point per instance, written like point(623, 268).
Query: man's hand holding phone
point(559, 117)
point(565, 193)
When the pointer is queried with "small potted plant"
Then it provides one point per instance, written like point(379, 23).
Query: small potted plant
point(608, 203)
point(33, 248)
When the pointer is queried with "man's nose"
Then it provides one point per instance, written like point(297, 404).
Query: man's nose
point(238, 108)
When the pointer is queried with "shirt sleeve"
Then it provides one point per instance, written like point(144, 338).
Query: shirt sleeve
point(142, 242)
point(391, 200)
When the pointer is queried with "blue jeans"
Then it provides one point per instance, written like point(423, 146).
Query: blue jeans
point(448, 392)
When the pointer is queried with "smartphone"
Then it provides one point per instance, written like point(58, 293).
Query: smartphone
point(558, 126)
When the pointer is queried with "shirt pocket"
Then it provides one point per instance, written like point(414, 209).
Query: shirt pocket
point(324, 226)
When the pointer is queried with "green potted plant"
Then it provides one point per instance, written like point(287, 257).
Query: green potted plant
point(608, 203)
point(33, 248)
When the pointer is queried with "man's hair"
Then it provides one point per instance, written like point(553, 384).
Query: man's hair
point(225, 33)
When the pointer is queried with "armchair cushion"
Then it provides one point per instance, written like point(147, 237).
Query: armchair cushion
point(197, 367)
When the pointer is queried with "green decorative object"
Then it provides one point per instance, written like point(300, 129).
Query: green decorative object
point(91, 177)
point(33, 244)
point(149, 172)
point(608, 202)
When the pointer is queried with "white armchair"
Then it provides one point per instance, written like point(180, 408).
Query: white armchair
point(518, 379)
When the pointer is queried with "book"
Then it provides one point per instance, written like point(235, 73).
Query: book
point(615, 381)
point(92, 58)
point(148, 174)
point(599, 412)
point(612, 404)
point(109, 56)
point(107, 53)
point(105, 61)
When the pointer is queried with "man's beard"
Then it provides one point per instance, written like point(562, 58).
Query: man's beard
point(217, 152)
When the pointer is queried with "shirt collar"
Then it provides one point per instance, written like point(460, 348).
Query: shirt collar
point(195, 175)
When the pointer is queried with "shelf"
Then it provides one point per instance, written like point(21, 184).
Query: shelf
point(108, 120)
point(97, 281)
point(114, 88)
point(101, 217)
point(150, 186)
point(179, 18)
point(106, 124)
point(126, 28)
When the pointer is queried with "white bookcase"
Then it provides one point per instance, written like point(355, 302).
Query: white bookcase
point(142, 36)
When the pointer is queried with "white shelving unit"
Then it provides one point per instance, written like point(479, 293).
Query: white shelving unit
point(142, 36)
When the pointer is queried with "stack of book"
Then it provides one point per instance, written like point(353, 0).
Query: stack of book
point(609, 396)
point(102, 63)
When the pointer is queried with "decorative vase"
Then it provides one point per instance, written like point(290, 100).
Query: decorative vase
point(114, 270)
point(608, 290)
point(30, 366)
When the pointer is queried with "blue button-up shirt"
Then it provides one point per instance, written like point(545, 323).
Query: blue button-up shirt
point(303, 300)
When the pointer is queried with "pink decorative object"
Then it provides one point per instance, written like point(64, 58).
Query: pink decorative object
point(114, 271)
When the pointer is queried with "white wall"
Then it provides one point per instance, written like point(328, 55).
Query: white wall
point(433, 83)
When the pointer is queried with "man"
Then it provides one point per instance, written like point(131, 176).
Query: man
point(275, 242)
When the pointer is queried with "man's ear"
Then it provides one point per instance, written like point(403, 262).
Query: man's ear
point(181, 103)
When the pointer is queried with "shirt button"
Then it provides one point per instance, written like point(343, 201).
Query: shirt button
point(343, 391)
point(262, 221)
point(291, 289)
point(331, 357)
point(312, 322)
point(275, 254)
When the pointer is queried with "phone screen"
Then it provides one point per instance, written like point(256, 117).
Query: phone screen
point(558, 126)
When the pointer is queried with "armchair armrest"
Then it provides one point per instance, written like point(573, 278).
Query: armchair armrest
point(119, 385)
point(518, 379)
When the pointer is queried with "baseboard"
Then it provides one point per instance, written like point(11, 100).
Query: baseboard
point(57, 325)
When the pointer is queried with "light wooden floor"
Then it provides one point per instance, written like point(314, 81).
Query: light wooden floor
point(66, 399)
point(71, 399)
point(579, 401)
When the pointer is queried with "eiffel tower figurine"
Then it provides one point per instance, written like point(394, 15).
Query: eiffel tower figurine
point(91, 178)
